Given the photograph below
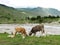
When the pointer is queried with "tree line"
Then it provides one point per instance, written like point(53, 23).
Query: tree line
point(43, 19)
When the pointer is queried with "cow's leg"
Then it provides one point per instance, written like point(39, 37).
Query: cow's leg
point(40, 32)
point(14, 33)
point(43, 32)
point(23, 36)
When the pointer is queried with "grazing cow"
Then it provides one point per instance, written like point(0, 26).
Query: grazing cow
point(19, 30)
point(36, 29)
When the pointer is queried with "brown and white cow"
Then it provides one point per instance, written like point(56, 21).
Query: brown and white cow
point(19, 30)
point(37, 28)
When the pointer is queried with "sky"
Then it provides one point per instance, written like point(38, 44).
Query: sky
point(32, 3)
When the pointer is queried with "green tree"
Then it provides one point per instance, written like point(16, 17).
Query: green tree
point(33, 18)
point(38, 17)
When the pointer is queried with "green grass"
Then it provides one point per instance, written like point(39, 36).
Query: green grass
point(49, 40)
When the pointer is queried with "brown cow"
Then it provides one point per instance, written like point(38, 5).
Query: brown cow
point(20, 30)
point(36, 29)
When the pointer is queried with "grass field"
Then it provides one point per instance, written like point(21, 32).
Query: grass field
point(49, 40)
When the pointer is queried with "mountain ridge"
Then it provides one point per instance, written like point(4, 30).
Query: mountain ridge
point(40, 11)
point(37, 11)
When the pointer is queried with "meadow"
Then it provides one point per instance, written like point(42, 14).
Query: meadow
point(29, 40)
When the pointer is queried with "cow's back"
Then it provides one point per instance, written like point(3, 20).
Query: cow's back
point(37, 28)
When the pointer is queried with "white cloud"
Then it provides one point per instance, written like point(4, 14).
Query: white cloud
point(32, 3)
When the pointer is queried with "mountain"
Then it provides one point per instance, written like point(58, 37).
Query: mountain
point(10, 14)
point(41, 11)
point(10, 11)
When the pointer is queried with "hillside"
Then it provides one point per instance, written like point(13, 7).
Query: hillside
point(18, 15)
point(10, 14)
point(9, 11)
point(41, 11)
